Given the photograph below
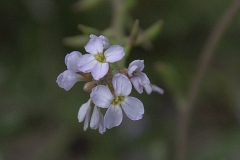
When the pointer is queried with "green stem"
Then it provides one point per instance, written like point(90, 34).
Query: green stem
point(118, 18)
point(131, 41)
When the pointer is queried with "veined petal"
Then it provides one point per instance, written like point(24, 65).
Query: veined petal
point(87, 118)
point(113, 116)
point(101, 96)
point(86, 62)
point(114, 53)
point(121, 84)
point(94, 46)
point(143, 77)
point(99, 70)
point(106, 43)
point(71, 61)
point(137, 83)
point(95, 118)
point(133, 108)
point(101, 127)
point(83, 110)
point(138, 63)
point(67, 79)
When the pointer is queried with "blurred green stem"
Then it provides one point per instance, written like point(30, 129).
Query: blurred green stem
point(118, 14)
point(131, 40)
point(117, 26)
point(184, 111)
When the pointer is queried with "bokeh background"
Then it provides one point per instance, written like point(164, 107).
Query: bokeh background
point(38, 120)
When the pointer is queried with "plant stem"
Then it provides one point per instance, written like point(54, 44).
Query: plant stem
point(184, 112)
point(118, 18)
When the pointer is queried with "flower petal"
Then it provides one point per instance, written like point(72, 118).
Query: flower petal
point(148, 88)
point(93, 36)
point(94, 46)
point(121, 84)
point(101, 96)
point(137, 83)
point(157, 89)
point(86, 122)
point(133, 108)
point(83, 110)
point(138, 63)
point(131, 70)
point(151, 87)
point(95, 118)
point(102, 127)
point(113, 116)
point(99, 70)
point(71, 61)
point(106, 43)
point(86, 62)
point(114, 53)
point(67, 79)
point(143, 76)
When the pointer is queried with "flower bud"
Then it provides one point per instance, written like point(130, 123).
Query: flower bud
point(89, 86)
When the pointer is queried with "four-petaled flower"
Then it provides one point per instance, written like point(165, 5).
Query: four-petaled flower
point(137, 77)
point(116, 101)
point(69, 77)
point(97, 62)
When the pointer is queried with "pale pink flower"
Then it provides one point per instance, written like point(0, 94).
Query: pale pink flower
point(97, 62)
point(137, 77)
point(102, 97)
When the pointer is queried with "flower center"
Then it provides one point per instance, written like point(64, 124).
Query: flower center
point(100, 57)
point(117, 100)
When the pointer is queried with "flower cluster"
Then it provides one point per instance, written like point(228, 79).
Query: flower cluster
point(107, 88)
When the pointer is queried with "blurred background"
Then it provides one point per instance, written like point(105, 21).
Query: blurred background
point(38, 120)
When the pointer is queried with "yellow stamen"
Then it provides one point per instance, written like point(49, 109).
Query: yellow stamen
point(100, 57)
point(117, 100)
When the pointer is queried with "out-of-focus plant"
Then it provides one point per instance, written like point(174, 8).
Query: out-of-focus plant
point(185, 101)
point(116, 32)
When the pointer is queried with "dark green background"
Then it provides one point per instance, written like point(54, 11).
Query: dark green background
point(38, 120)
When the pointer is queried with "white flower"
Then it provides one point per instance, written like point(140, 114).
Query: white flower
point(67, 79)
point(96, 119)
point(97, 62)
point(102, 97)
point(71, 61)
point(151, 87)
point(137, 77)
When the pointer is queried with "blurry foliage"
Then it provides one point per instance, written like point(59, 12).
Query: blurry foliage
point(38, 120)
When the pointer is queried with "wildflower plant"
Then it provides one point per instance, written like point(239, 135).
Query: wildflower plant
point(108, 85)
